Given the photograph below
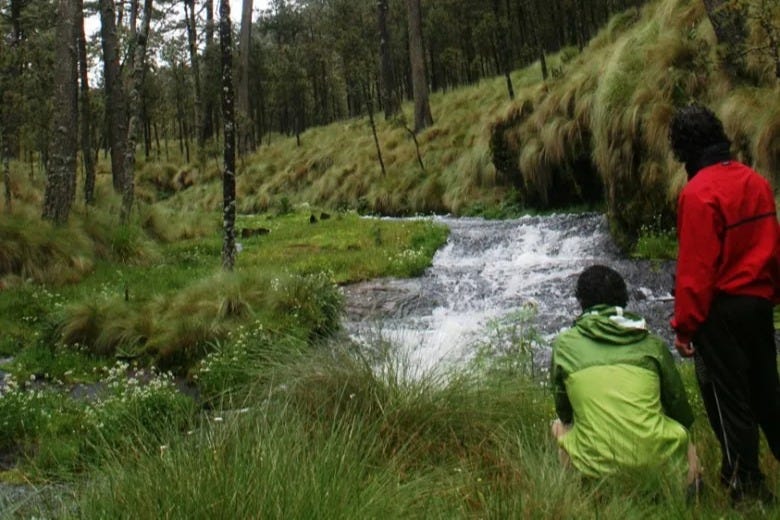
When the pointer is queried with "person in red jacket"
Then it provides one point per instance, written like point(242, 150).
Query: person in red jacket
point(728, 277)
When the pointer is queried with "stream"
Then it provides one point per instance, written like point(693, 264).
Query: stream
point(490, 269)
point(486, 271)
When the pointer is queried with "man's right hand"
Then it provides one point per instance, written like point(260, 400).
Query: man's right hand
point(685, 349)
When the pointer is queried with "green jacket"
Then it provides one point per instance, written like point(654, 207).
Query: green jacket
point(618, 386)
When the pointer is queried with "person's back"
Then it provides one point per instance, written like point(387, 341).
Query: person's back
point(628, 407)
point(618, 395)
point(728, 277)
point(727, 213)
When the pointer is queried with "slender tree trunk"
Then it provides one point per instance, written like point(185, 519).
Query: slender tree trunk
point(503, 50)
point(11, 72)
point(6, 174)
point(422, 107)
point(520, 22)
point(246, 142)
point(192, 41)
point(534, 8)
point(134, 126)
point(228, 118)
point(115, 98)
point(61, 170)
point(120, 13)
point(86, 116)
point(370, 108)
point(147, 127)
point(157, 140)
point(728, 21)
point(207, 123)
point(132, 32)
point(390, 102)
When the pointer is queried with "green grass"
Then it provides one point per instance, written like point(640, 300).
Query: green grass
point(292, 430)
point(352, 248)
point(178, 312)
point(291, 426)
point(656, 245)
point(338, 436)
point(170, 309)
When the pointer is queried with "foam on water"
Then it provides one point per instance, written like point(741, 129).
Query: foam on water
point(489, 269)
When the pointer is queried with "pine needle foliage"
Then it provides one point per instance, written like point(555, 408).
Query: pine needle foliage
point(594, 134)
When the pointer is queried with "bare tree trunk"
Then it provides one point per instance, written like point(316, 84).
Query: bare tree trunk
point(390, 102)
point(86, 119)
point(137, 81)
point(10, 116)
point(728, 21)
point(422, 107)
point(503, 50)
point(228, 117)
point(115, 97)
point(133, 18)
point(246, 142)
point(534, 8)
point(61, 171)
point(207, 123)
point(370, 108)
point(192, 40)
point(6, 174)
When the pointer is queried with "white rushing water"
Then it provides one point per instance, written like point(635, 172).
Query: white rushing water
point(489, 269)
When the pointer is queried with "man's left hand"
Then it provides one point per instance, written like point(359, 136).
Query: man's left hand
point(685, 349)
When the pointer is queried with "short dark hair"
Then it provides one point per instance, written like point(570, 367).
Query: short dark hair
point(695, 128)
point(601, 285)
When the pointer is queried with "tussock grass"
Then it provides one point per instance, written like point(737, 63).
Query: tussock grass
point(612, 105)
point(340, 435)
point(171, 310)
point(32, 249)
point(336, 166)
point(177, 328)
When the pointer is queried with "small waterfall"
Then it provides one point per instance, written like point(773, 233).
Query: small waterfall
point(489, 269)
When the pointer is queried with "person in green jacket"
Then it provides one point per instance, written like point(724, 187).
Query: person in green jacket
point(619, 398)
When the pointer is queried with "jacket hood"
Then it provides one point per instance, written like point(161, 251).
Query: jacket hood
point(611, 325)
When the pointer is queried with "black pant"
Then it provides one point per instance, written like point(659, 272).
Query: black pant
point(736, 368)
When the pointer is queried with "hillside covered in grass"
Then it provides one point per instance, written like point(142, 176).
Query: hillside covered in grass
point(594, 133)
point(139, 380)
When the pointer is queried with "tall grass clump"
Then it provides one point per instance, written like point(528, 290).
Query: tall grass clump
point(447, 170)
point(605, 120)
point(36, 250)
point(339, 434)
point(253, 466)
point(176, 329)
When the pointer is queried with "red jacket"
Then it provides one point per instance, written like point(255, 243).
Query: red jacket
point(729, 242)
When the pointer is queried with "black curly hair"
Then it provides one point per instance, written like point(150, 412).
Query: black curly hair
point(601, 285)
point(696, 131)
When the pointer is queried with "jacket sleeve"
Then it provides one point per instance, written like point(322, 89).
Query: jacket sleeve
point(673, 396)
point(700, 230)
point(777, 266)
point(562, 404)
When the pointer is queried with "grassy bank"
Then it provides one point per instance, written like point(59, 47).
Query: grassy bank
point(99, 354)
point(594, 133)
point(334, 434)
point(287, 423)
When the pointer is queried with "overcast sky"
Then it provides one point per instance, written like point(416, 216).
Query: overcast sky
point(92, 24)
